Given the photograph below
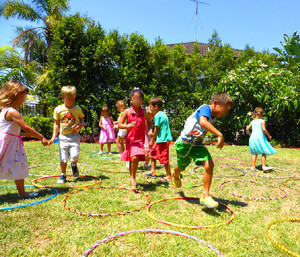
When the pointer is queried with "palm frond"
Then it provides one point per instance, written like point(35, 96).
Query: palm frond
point(20, 10)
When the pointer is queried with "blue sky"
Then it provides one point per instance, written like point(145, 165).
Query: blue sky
point(260, 23)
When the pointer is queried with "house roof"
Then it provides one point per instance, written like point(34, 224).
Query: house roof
point(189, 46)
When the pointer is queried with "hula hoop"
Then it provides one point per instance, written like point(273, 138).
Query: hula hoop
point(65, 187)
point(281, 247)
point(105, 214)
point(233, 176)
point(185, 226)
point(103, 157)
point(50, 164)
point(29, 204)
point(252, 197)
point(158, 231)
point(236, 159)
point(271, 177)
point(285, 184)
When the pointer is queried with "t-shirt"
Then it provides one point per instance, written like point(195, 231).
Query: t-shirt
point(161, 120)
point(68, 118)
point(192, 124)
point(121, 113)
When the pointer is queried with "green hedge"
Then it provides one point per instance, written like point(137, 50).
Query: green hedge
point(43, 125)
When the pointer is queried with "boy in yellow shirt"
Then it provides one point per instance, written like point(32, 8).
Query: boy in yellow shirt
point(68, 122)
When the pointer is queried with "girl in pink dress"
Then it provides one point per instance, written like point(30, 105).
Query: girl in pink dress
point(107, 134)
point(13, 160)
point(135, 139)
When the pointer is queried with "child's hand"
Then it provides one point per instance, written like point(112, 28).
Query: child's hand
point(44, 141)
point(220, 142)
point(150, 133)
point(131, 125)
point(50, 142)
point(270, 138)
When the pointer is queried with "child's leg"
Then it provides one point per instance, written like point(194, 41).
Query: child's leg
point(207, 177)
point(168, 170)
point(20, 187)
point(176, 173)
point(63, 167)
point(108, 147)
point(263, 160)
point(254, 157)
point(153, 167)
point(101, 148)
point(120, 144)
point(133, 168)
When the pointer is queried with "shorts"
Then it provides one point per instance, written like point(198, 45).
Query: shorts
point(69, 146)
point(187, 152)
point(160, 152)
point(122, 133)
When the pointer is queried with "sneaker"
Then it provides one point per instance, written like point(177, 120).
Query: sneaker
point(30, 195)
point(62, 179)
point(75, 170)
point(146, 167)
point(209, 202)
point(110, 153)
point(176, 182)
point(100, 152)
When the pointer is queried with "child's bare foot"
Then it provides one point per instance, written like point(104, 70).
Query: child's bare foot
point(133, 184)
point(166, 179)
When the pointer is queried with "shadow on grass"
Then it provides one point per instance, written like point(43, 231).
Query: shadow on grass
point(13, 198)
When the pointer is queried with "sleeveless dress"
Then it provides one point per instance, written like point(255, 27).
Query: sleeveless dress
point(258, 142)
point(13, 160)
point(107, 135)
point(135, 138)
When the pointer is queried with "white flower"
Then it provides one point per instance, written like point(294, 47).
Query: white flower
point(249, 61)
point(249, 113)
point(259, 70)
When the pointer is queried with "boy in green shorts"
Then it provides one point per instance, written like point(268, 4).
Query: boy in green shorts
point(189, 144)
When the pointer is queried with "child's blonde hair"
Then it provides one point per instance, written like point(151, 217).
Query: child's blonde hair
point(68, 91)
point(258, 111)
point(105, 109)
point(121, 103)
point(10, 91)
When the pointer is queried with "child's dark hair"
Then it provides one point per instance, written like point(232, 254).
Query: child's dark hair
point(156, 101)
point(222, 98)
point(136, 90)
point(105, 109)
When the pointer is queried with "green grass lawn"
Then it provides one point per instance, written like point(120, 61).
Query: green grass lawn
point(48, 229)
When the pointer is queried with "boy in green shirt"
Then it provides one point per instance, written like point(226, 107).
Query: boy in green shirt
point(162, 134)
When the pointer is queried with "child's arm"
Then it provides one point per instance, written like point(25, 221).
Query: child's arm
point(248, 128)
point(121, 123)
point(100, 123)
point(55, 131)
point(263, 125)
point(155, 133)
point(80, 125)
point(204, 123)
point(17, 118)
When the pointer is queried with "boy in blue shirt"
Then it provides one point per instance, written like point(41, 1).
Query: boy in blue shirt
point(190, 146)
point(159, 150)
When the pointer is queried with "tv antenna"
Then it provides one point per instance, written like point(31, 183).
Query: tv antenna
point(197, 5)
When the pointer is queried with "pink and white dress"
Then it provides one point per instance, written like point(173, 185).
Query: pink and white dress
point(13, 160)
point(107, 135)
point(135, 138)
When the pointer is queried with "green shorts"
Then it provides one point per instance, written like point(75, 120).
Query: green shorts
point(187, 152)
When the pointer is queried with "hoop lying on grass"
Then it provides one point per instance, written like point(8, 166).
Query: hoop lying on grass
point(29, 204)
point(229, 176)
point(274, 241)
point(248, 170)
point(105, 214)
point(186, 226)
point(226, 164)
point(50, 164)
point(252, 197)
point(65, 187)
point(93, 155)
point(295, 179)
point(158, 231)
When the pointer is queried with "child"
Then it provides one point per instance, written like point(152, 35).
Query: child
point(121, 106)
point(148, 135)
point(107, 134)
point(162, 134)
point(135, 139)
point(258, 142)
point(13, 160)
point(68, 121)
point(189, 144)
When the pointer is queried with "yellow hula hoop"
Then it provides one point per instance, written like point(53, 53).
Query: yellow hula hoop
point(65, 187)
point(185, 226)
point(281, 247)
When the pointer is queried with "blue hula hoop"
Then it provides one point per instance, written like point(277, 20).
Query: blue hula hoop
point(29, 204)
point(103, 157)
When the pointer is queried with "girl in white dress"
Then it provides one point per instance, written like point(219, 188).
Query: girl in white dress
point(13, 160)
